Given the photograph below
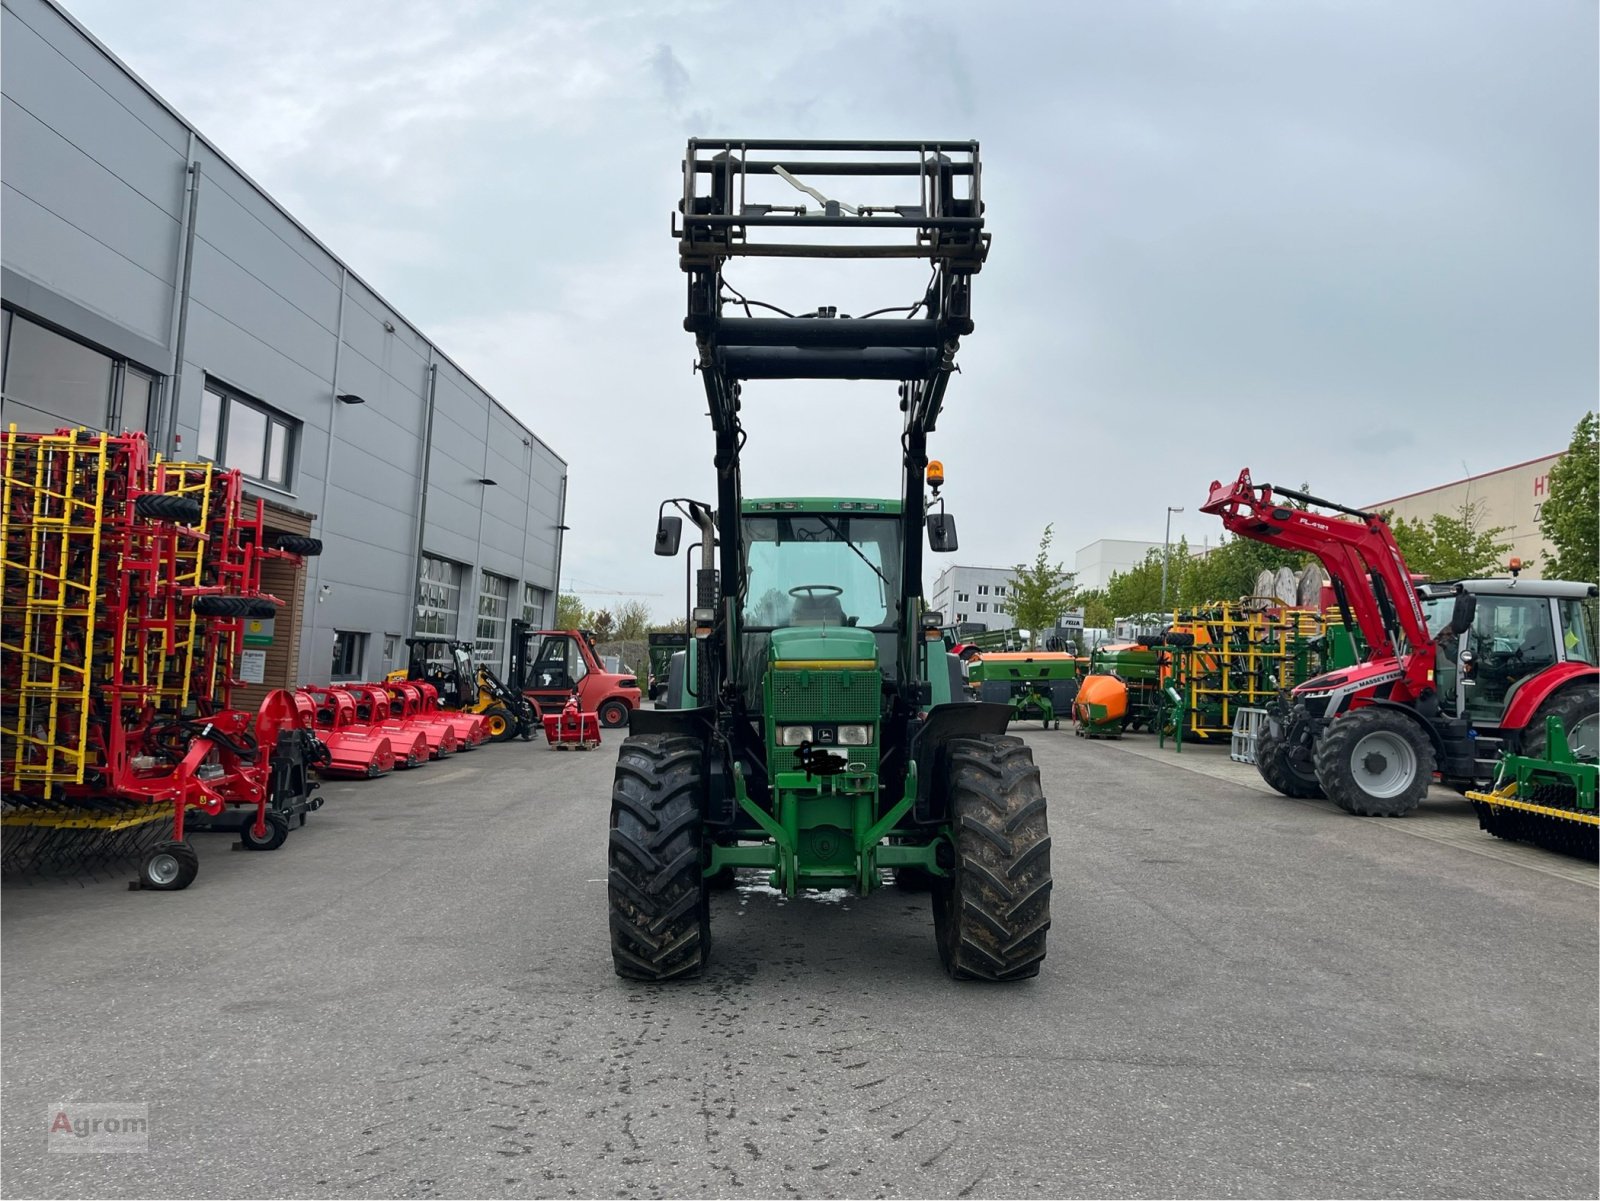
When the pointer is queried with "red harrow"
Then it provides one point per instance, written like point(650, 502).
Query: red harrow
point(126, 584)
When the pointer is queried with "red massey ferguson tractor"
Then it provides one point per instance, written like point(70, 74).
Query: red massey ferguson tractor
point(1454, 674)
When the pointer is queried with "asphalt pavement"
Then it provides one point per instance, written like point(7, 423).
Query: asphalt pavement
point(1244, 996)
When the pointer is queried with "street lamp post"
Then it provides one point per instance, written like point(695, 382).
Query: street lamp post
point(1166, 553)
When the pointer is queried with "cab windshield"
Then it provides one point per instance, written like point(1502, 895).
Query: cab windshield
point(821, 569)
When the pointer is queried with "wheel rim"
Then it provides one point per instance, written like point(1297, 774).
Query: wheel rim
point(497, 726)
point(613, 714)
point(1583, 740)
point(164, 868)
point(1383, 763)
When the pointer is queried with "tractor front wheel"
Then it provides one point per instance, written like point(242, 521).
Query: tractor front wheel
point(1280, 771)
point(991, 914)
point(1375, 762)
point(501, 726)
point(656, 887)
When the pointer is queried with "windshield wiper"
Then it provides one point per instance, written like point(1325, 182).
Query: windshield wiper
point(840, 534)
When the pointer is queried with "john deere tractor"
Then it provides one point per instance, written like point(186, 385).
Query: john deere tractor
point(815, 727)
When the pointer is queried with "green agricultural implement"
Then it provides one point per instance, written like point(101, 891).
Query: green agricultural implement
point(1038, 687)
point(816, 729)
point(1546, 797)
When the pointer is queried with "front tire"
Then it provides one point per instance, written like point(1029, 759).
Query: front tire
point(656, 887)
point(990, 916)
point(499, 723)
point(1278, 770)
point(277, 832)
point(614, 714)
point(169, 867)
point(1375, 762)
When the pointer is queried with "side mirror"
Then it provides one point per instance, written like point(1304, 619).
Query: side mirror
point(942, 533)
point(1466, 608)
point(669, 532)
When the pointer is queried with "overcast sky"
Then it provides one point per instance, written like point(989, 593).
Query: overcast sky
point(1346, 243)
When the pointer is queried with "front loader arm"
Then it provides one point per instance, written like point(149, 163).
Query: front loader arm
point(1360, 555)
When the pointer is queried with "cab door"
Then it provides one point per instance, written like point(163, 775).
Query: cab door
point(1512, 639)
point(557, 669)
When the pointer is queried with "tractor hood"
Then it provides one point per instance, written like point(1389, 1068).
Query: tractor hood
point(832, 644)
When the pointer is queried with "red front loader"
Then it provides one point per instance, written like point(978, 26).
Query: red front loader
point(1454, 674)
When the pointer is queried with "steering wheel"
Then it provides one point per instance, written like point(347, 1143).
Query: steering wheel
point(812, 590)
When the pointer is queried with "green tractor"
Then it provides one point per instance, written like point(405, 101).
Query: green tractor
point(815, 725)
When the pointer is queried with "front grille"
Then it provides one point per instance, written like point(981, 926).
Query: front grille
point(824, 695)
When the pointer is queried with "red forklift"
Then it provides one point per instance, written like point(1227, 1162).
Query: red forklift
point(1455, 673)
point(549, 666)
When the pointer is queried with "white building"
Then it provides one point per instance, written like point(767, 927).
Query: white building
point(980, 594)
point(975, 594)
point(1096, 563)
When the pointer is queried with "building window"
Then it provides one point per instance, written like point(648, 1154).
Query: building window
point(999, 589)
point(533, 603)
point(983, 607)
point(391, 653)
point(236, 431)
point(494, 604)
point(983, 590)
point(349, 653)
point(138, 391)
point(50, 380)
point(439, 597)
point(963, 597)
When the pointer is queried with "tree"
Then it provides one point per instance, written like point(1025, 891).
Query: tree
point(1570, 518)
point(602, 625)
point(633, 621)
point(1450, 547)
point(1138, 590)
point(1041, 593)
point(1097, 613)
point(571, 613)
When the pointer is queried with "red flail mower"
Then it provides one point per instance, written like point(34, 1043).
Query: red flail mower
point(355, 749)
point(126, 584)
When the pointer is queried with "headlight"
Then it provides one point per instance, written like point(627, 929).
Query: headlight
point(793, 735)
point(855, 735)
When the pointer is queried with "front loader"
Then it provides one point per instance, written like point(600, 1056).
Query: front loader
point(816, 729)
point(1456, 675)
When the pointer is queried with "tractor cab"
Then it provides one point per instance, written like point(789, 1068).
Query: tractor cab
point(446, 664)
point(1493, 635)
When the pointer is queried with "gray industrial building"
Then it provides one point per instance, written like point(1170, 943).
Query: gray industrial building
point(149, 284)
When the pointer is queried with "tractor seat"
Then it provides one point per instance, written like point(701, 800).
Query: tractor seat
point(817, 610)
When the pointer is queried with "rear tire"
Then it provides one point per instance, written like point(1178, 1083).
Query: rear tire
point(660, 907)
point(1375, 762)
point(1278, 770)
point(1579, 710)
point(991, 915)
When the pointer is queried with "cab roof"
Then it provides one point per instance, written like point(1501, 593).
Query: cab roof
point(819, 504)
point(1506, 586)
